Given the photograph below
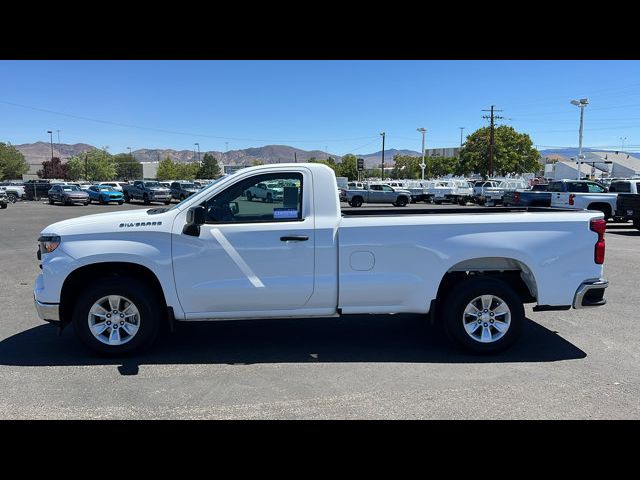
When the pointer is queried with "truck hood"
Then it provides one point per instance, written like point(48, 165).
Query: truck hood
point(129, 220)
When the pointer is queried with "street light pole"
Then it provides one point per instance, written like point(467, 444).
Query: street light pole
point(198, 152)
point(461, 130)
point(50, 132)
point(583, 102)
point(383, 135)
point(623, 139)
point(422, 165)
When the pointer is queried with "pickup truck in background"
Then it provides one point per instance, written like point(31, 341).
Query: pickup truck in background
point(218, 256)
point(182, 190)
point(537, 196)
point(378, 193)
point(13, 192)
point(628, 208)
point(582, 195)
point(146, 190)
point(266, 191)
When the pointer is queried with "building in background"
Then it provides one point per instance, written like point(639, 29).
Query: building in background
point(442, 152)
point(149, 170)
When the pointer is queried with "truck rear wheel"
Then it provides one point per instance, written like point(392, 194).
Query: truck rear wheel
point(146, 200)
point(117, 316)
point(401, 202)
point(636, 223)
point(483, 315)
point(356, 202)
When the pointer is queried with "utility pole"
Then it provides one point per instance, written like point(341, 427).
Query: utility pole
point(583, 102)
point(86, 167)
point(198, 152)
point(58, 137)
point(492, 118)
point(461, 130)
point(383, 135)
point(51, 135)
point(295, 157)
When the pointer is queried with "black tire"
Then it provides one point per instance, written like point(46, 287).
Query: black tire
point(636, 223)
point(146, 200)
point(101, 200)
point(85, 203)
point(269, 198)
point(401, 202)
point(464, 293)
point(3, 205)
point(120, 202)
point(182, 197)
point(249, 196)
point(127, 198)
point(147, 303)
point(438, 202)
point(356, 202)
point(12, 197)
point(167, 202)
point(51, 201)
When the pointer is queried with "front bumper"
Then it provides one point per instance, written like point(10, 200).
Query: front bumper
point(47, 311)
point(591, 294)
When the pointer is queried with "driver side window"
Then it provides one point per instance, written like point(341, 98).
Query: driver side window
point(270, 197)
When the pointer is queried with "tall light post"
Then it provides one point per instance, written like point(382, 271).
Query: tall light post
point(422, 165)
point(51, 135)
point(583, 102)
point(198, 152)
point(461, 130)
point(623, 139)
point(128, 170)
point(383, 135)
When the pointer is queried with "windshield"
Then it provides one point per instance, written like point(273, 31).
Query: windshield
point(188, 185)
point(152, 184)
point(105, 189)
point(70, 188)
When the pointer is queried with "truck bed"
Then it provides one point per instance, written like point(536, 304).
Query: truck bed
point(454, 210)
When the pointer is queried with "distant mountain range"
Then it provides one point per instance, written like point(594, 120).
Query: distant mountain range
point(36, 153)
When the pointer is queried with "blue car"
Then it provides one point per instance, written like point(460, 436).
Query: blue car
point(104, 194)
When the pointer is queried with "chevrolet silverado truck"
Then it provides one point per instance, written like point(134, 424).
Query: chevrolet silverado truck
point(148, 191)
point(378, 193)
point(219, 256)
point(581, 194)
point(628, 208)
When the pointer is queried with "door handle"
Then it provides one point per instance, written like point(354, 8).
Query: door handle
point(294, 238)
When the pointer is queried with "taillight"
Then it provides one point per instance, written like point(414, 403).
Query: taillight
point(599, 226)
point(571, 197)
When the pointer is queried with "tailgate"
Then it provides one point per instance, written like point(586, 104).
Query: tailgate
point(560, 199)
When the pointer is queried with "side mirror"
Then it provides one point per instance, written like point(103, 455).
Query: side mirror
point(234, 207)
point(196, 216)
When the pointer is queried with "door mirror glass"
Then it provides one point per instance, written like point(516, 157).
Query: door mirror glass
point(234, 207)
point(196, 215)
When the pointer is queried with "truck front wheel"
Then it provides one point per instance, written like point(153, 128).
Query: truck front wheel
point(636, 223)
point(117, 316)
point(483, 315)
point(127, 198)
point(401, 202)
point(356, 202)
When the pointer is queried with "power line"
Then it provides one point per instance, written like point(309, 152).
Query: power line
point(491, 118)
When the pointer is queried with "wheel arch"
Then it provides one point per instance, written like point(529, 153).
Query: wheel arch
point(83, 275)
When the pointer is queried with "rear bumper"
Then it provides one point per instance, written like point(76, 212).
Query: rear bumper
point(591, 294)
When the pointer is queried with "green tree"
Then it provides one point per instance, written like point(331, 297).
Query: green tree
point(348, 167)
point(12, 162)
point(513, 152)
point(186, 171)
point(167, 169)
point(94, 165)
point(406, 166)
point(210, 168)
point(127, 167)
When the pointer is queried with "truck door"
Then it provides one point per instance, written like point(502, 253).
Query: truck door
point(249, 256)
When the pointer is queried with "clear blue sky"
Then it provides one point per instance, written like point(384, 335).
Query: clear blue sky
point(338, 105)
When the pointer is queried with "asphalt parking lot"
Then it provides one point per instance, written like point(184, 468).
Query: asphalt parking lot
point(576, 364)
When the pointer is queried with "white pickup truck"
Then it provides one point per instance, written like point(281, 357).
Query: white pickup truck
point(583, 194)
point(216, 256)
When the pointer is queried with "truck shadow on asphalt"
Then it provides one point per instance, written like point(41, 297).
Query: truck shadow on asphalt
point(398, 338)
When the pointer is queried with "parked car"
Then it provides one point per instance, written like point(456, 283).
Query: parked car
point(67, 195)
point(104, 194)
point(116, 185)
point(181, 190)
point(14, 192)
point(148, 191)
point(378, 193)
point(265, 191)
point(119, 277)
point(3, 199)
point(583, 194)
point(537, 196)
point(628, 208)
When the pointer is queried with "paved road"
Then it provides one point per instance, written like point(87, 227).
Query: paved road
point(573, 364)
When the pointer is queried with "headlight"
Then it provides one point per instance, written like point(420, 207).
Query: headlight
point(48, 243)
